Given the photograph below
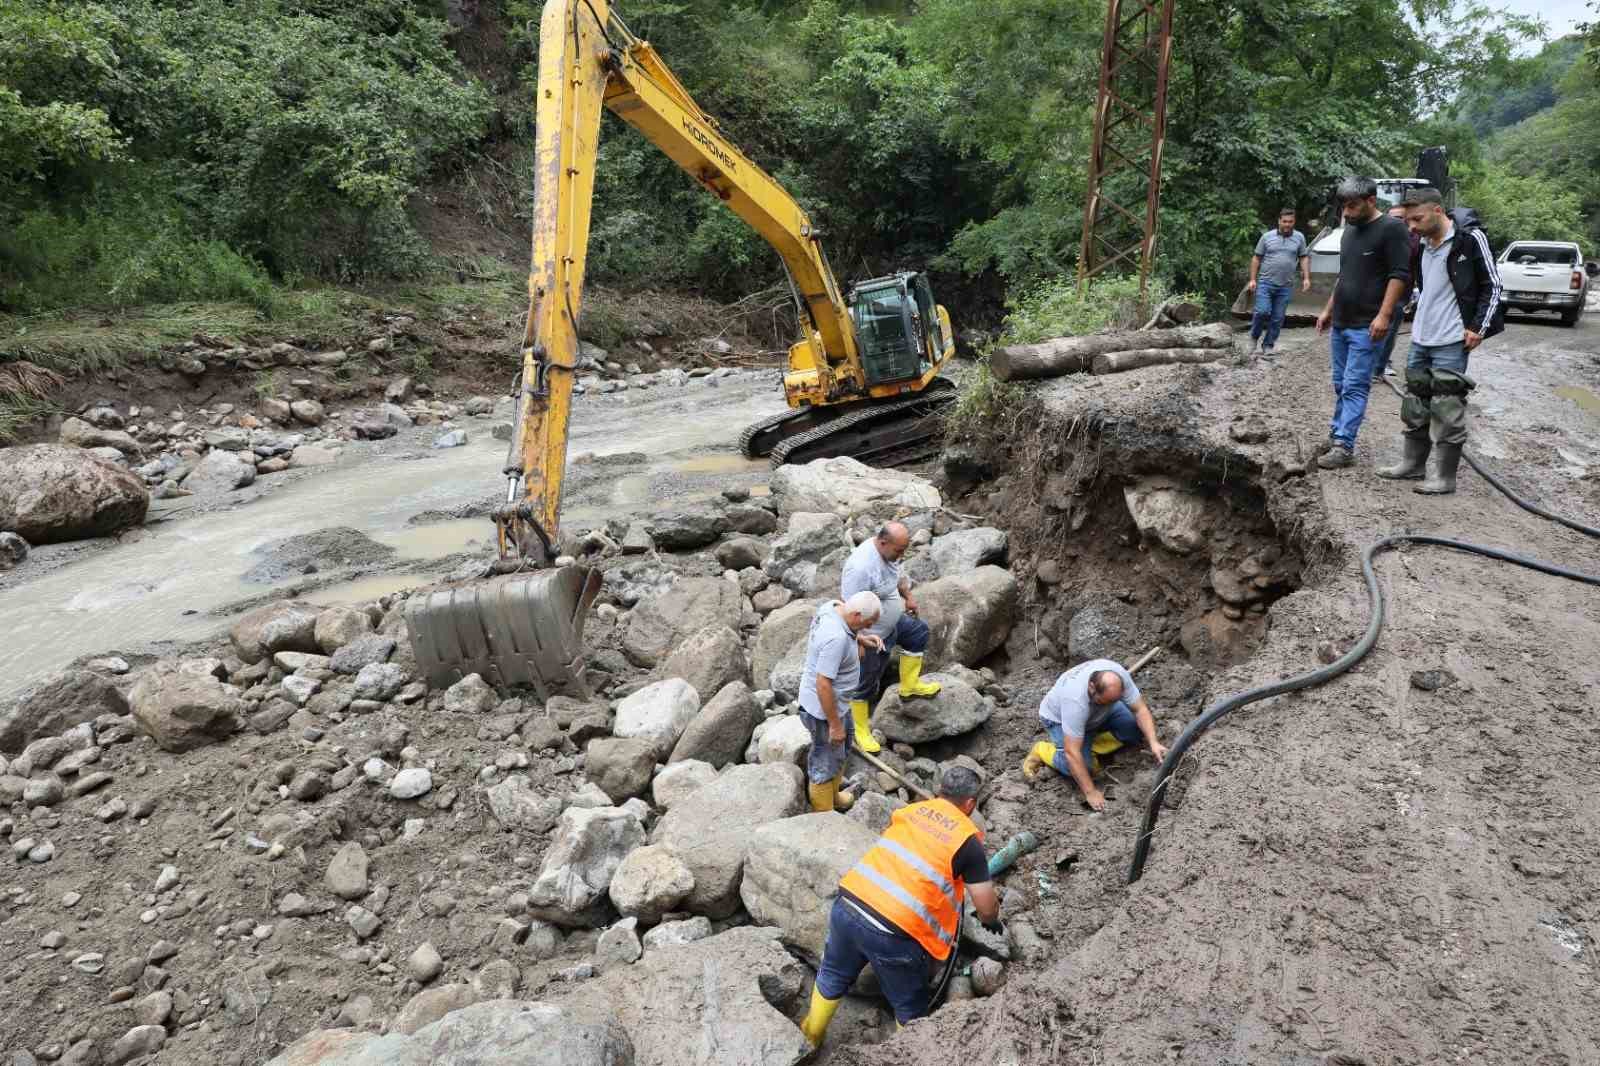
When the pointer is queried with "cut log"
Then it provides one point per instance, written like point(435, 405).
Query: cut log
point(1117, 362)
point(1067, 355)
point(1173, 313)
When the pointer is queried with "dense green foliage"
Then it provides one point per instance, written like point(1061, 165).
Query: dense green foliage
point(221, 149)
point(192, 147)
point(1544, 172)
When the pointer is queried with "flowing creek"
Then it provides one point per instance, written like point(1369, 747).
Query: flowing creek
point(165, 584)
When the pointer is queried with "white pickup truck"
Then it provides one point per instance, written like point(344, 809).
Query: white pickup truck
point(1544, 276)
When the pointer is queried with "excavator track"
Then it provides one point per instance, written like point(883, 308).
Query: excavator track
point(880, 434)
point(759, 439)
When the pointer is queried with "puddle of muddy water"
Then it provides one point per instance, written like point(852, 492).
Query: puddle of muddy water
point(731, 463)
point(366, 589)
point(1581, 396)
point(440, 538)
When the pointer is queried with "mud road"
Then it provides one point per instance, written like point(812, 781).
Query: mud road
point(1395, 868)
point(182, 577)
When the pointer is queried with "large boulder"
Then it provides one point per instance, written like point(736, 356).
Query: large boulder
point(432, 1004)
point(678, 781)
point(80, 434)
point(682, 531)
point(276, 627)
point(751, 518)
point(516, 805)
point(967, 549)
point(590, 843)
point(57, 704)
point(711, 834)
point(218, 472)
point(1167, 512)
point(51, 493)
point(780, 632)
point(719, 733)
point(620, 766)
point(510, 1032)
point(720, 1001)
point(337, 627)
point(848, 488)
point(650, 883)
point(659, 623)
point(741, 552)
point(955, 709)
point(658, 713)
point(709, 659)
point(969, 615)
point(792, 873)
point(785, 740)
point(828, 576)
point(785, 677)
point(183, 709)
point(810, 538)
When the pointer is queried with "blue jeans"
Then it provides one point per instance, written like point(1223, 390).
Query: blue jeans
point(1354, 355)
point(1438, 357)
point(1122, 725)
point(910, 634)
point(902, 964)
point(825, 760)
point(1271, 302)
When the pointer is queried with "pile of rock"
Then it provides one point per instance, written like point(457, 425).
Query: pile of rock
point(664, 819)
point(611, 377)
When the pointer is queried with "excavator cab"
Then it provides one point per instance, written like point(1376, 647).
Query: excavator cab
point(897, 327)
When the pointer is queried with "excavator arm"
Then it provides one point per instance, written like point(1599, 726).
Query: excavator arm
point(847, 387)
point(589, 60)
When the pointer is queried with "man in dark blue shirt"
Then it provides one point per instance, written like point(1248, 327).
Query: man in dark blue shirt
point(1374, 273)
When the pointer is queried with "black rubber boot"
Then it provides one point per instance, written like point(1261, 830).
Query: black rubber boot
point(1413, 461)
point(1441, 471)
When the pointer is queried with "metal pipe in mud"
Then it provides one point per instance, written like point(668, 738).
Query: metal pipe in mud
point(1175, 754)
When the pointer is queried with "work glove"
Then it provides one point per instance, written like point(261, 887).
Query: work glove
point(997, 927)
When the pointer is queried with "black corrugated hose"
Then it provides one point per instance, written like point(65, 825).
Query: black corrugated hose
point(1141, 846)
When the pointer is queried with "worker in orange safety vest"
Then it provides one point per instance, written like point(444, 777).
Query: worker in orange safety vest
point(900, 907)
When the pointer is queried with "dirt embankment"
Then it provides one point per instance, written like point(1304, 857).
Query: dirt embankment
point(1397, 867)
point(1380, 871)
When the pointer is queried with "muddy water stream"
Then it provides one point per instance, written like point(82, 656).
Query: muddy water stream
point(164, 586)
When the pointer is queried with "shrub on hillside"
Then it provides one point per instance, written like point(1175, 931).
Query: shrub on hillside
point(292, 131)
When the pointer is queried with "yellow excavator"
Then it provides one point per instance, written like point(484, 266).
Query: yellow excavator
point(861, 379)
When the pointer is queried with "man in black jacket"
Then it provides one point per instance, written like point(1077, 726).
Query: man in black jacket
point(1458, 305)
point(1364, 305)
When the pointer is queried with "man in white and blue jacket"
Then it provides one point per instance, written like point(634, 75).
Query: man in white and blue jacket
point(1458, 305)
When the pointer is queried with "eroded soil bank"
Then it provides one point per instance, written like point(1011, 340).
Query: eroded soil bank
point(1376, 871)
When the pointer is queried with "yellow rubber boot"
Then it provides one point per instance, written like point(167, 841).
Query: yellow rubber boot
point(911, 683)
point(1105, 743)
point(822, 795)
point(843, 800)
point(864, 739)
point(815, 1024)
point(1041, 757)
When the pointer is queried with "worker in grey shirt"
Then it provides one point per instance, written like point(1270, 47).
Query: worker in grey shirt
point(1278, 254)
point(834, 647)
point(1093, 707)
point(874, 567)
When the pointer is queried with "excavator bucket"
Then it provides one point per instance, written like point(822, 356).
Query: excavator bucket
point(518, 630)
